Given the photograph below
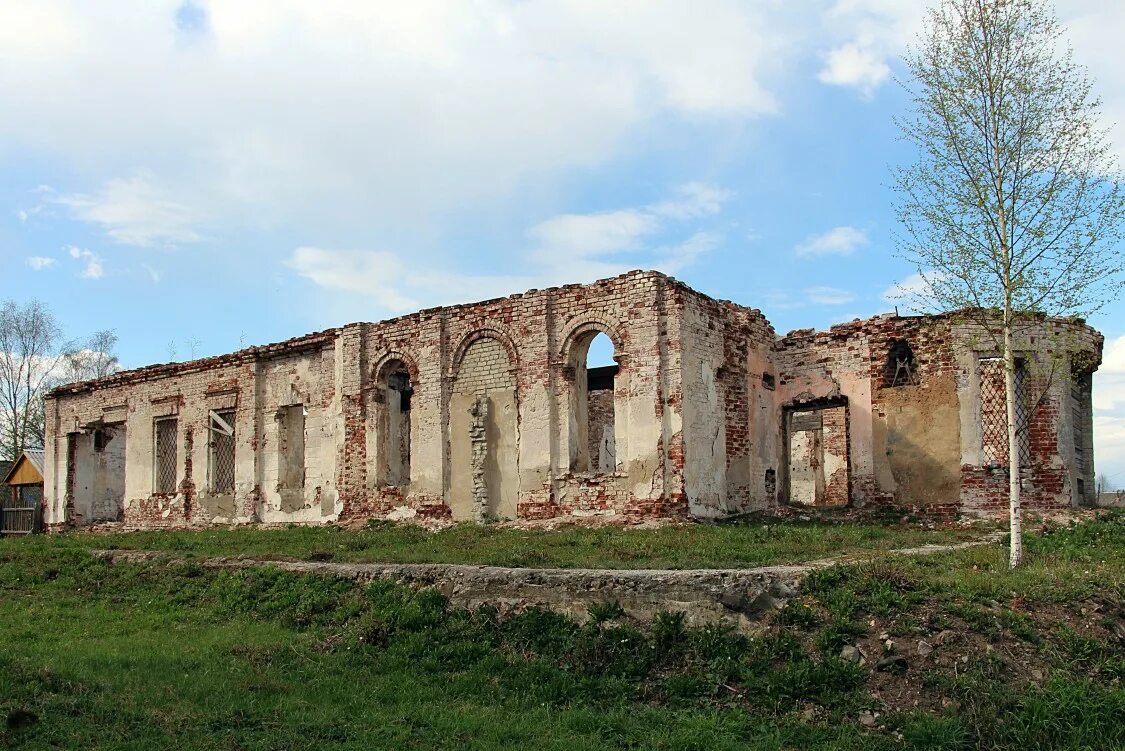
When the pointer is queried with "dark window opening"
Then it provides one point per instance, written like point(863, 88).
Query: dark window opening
point(394, 425)
point(768, 381)
point(901, 367)
point(601, 379)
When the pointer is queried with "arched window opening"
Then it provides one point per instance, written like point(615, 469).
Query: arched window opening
point(901, 368)
point(594, 446)
point(394, 427)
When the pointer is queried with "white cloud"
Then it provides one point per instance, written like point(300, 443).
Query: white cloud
point(693, 200)
point(362, 112)
point(855, 65)
point(674, 259)
point(153, 274)
point(1109, 447)
point(1095, 28)
point(589, 246)
point(377, 274)
point(837, 241)
point(829, 296)
point(915, 292)
point(1109, 381)
point(133, 211)
point(594, 234)
point(38, 263)
point(94, 269)
point(92, 262)
point(567, 248)
point(868, 35)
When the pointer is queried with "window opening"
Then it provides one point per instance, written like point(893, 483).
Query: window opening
point(900, 364)
point(994, 413)
point(164, 452)
point(291, 447)
point(595, 374)
point(395, 424)
point(222, 451)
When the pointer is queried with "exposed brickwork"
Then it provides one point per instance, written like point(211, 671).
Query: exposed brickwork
point(698, 404)
point(835, 430)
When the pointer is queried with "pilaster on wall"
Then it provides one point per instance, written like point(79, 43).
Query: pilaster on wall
point(351, 469)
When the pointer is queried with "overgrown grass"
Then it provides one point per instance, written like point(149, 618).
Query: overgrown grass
point(692, 546)
point(159, 655)
point(155, 655)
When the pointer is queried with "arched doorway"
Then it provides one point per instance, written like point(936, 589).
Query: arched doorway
point(592, 414)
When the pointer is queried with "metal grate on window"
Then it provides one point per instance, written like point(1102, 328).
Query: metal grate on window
point(165, 450)
point(1023, 416)
point(994, 414)
point(222, 452)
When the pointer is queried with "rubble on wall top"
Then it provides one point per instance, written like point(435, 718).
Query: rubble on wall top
point(295, 345)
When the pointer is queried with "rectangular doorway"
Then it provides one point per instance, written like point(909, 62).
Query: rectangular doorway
point(817, 455)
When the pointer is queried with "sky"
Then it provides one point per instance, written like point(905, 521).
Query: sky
point(201, 176)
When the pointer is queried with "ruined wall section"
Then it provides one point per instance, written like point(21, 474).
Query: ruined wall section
point(822, 371)
point(1054, 353)
point(726, 352)
point(915, 436)
point(418, 341)
point(915, 413)
point(253, 384)
point(902, 436)
point(537, 331)
point(298, 484)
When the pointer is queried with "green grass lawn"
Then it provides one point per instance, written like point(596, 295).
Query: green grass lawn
point(170, 654)
point(569, 546)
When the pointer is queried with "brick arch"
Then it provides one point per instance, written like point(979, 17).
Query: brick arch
point(390, 356)
point(592, 325)
point(484, 333)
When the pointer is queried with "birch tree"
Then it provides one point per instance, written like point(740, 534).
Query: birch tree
point(1014, 206)
point(30, 352)
point(34, 358)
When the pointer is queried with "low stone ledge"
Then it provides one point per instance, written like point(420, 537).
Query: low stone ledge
point(736, 596)
point(740, 597)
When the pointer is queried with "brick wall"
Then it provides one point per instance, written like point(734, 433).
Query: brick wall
point(697, 408)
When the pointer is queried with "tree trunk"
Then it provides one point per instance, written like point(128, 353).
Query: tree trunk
point(1015, 520)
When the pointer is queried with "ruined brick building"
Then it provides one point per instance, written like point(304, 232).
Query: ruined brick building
point(488, 411)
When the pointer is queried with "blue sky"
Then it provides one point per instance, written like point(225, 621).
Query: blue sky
point(205, 175)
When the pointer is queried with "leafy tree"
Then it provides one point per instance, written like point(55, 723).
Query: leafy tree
point(30, 352)
point(94, 359)
point(1014, 206)
point(34, 358)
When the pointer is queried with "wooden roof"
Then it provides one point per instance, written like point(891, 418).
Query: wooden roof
point(27, 469)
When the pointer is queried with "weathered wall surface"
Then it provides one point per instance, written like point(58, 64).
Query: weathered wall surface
point(254, 384)
point(731, 429)
point(483, 411)
point(1056, 359)
point(487, 432)
point(918, 436)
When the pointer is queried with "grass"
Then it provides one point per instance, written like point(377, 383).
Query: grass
point(571, 546)
point(162, 654)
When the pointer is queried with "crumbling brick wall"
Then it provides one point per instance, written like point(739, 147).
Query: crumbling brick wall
point(700, 406)
point(515, 350)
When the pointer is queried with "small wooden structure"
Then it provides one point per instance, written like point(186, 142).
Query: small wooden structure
point(22, 499)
